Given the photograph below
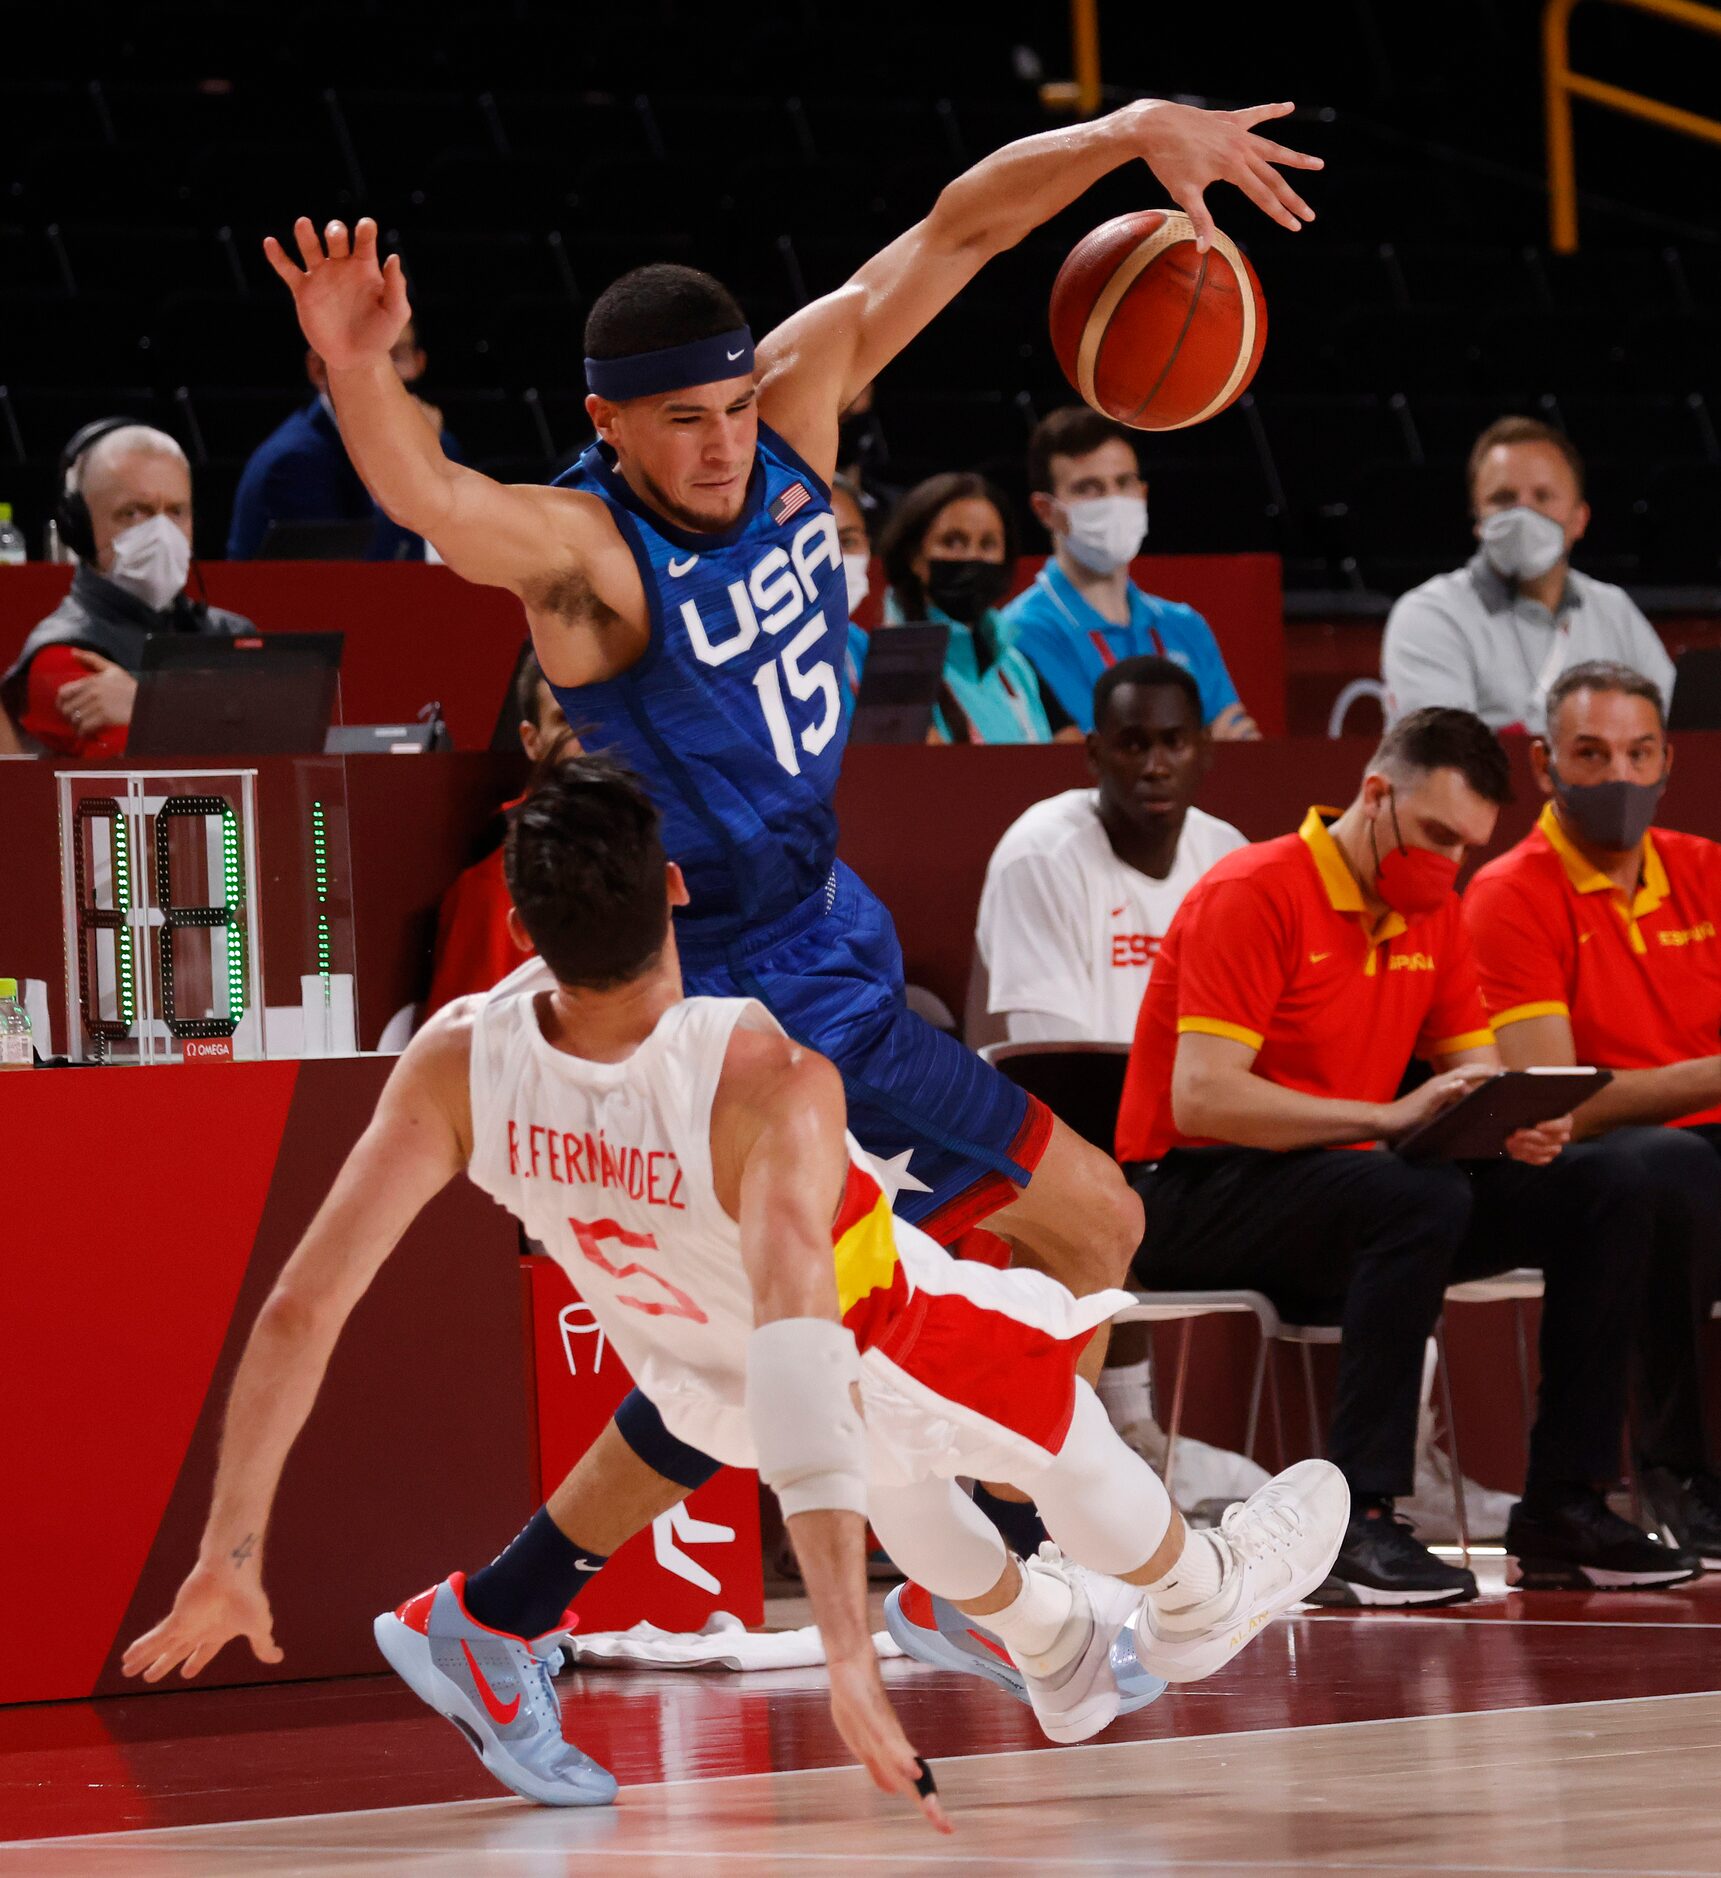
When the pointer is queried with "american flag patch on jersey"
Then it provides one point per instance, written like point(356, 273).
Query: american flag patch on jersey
point(796, 496)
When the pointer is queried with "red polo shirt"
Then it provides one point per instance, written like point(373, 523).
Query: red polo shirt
point(1639, 981)
point(1273, 947)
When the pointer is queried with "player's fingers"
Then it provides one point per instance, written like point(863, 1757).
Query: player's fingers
point(1253, 114)
point(310, 248)
point(276, 256)
point(163, 1663)
point(1285, 156)
point(1265, 198)
point(263, 1644)
point(933, 1808)
point(1194, 205)
point(336, 237)
point(1282, 189)
point(140, 1652)
point(394, 288)
point(198, 1657)
point(364, 238)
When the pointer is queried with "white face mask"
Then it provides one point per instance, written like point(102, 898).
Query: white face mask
point(857, 575)
point(151, 561)
point(1521, 543)
point(1105, 532)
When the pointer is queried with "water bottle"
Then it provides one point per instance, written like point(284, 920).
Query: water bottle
point(16, 1049)
point(11, 539)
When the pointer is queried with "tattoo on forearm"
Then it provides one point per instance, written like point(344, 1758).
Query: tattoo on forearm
point(243, 1550)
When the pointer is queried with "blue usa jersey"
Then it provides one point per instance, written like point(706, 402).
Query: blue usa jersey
point(734, 715)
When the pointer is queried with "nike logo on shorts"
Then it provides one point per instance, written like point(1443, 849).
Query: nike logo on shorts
point(680, 567)
point(1316, 957)
point(501, 1713)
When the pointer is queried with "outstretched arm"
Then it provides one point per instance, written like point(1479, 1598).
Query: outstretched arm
point(404, 1157)
point(351, 310)
point(782, 1162)
point(817, 362)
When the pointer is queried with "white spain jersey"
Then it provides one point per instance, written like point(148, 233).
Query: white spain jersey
point(608, 1167)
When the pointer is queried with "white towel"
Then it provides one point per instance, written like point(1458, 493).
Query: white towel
point(723, 1643)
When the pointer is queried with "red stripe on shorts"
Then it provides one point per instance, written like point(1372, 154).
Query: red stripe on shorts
point(992, 1192)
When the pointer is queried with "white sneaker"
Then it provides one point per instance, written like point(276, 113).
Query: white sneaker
point(1080, 1698)
point(1282, 1542)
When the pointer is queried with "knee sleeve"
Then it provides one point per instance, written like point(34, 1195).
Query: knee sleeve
point(1102, 1503)
point(641, 1427)
point(939, 1537)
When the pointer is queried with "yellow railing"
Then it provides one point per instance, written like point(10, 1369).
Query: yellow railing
point(1080, 94)
point(1561, 85)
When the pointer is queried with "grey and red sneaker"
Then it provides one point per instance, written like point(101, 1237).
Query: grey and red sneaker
point(932, 1631)
point(496, 1689)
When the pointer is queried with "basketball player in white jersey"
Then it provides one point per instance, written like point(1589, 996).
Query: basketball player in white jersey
point(1081, 887)
point(688, 1166)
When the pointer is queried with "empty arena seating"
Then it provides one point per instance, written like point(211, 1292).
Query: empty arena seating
point(1421, 304)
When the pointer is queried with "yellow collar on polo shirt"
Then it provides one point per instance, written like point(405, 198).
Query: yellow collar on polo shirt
point(1652, 891)
point(1339, 883)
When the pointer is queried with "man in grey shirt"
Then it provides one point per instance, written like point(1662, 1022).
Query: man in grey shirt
point(1493, 635)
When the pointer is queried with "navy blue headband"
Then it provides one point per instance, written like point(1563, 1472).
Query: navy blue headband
point(649, 374)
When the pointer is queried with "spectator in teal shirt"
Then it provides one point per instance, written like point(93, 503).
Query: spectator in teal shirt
point(949, 554)
point(854, 539)
point(1083, 613)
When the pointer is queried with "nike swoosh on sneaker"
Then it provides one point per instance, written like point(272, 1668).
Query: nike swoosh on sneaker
point(992, 1644)
point(677, 568)
point(501, 1713)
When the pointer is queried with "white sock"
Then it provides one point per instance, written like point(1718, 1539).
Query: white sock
point(1196, 1579)
point(1126, 1393)
point(1032, 1621)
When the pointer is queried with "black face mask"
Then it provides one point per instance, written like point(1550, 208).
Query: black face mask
point(966, 589)
point(1611, 815)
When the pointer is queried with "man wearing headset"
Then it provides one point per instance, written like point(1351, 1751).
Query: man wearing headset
point(125, 513)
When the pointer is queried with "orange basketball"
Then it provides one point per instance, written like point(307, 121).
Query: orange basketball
point(1149, 330)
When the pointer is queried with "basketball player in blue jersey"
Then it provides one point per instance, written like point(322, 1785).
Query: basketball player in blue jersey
point(684, 590)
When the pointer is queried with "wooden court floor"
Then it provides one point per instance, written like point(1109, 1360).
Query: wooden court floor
point(1545, 1735)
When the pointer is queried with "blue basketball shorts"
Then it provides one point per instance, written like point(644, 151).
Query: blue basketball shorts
point(954, 1137)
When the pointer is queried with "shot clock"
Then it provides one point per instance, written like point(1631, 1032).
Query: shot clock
point(163, 903)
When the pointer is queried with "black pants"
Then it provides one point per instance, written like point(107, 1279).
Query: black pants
point(1681, 1282)
point(1361, 1239)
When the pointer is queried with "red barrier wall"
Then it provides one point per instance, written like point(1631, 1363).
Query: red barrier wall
point(417, 634)
point(148, 1213)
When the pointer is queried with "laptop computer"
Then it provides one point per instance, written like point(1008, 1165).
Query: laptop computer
point(208, 695)
point(899, 684)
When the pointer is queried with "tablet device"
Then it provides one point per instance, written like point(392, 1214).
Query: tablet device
point(1475, 1128)
point(899, 683)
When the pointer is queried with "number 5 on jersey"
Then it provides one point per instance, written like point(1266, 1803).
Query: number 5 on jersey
point(817, 681)
point(672, 1300)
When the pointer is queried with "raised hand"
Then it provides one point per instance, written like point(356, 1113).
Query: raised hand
point(351, 310)
point(214, 1605)
point(1187, 149)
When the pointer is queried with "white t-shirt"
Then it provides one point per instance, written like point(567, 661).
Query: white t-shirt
point(1069, 930)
